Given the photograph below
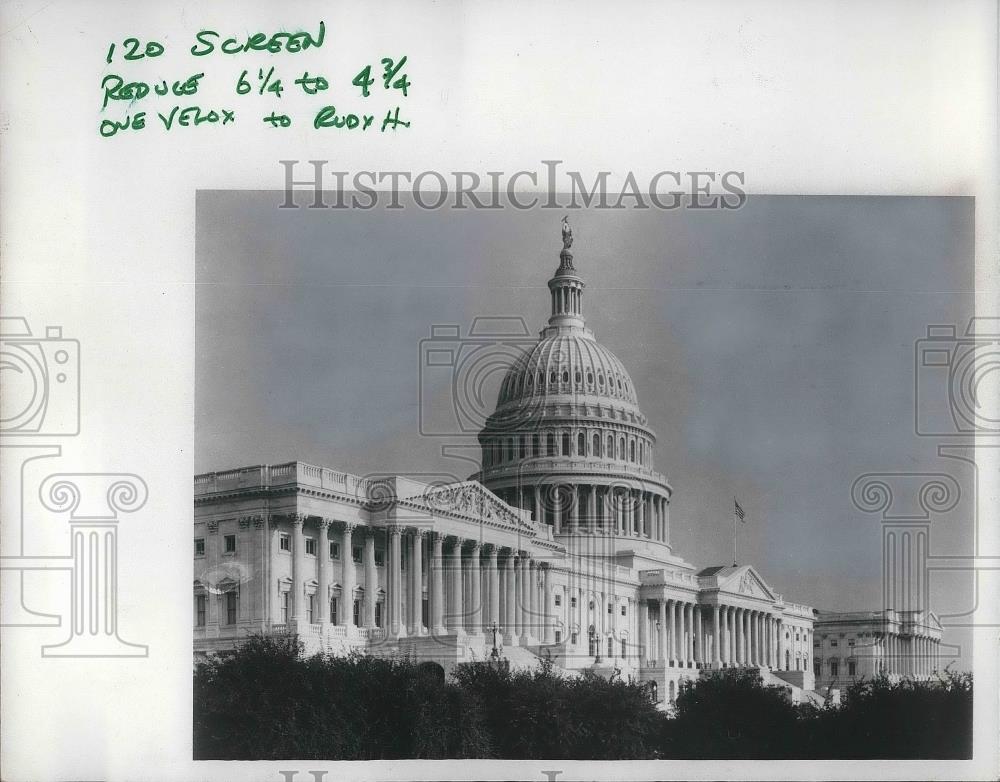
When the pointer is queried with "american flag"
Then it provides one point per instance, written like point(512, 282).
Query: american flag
point(740, 513)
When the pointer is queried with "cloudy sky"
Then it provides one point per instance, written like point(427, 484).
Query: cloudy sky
point(772, 349)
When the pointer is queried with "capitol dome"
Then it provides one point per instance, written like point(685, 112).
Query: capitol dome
point(567, 439)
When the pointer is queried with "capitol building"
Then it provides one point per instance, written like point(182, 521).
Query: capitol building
point(559, 548)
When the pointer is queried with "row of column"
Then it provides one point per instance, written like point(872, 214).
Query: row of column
point(911, 655)
point(594, 508)
point(687, 633)
point(470, 587)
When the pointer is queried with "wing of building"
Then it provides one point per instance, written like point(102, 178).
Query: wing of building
point(559, 548)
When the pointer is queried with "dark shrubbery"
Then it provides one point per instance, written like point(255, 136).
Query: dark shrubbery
point(266, 702)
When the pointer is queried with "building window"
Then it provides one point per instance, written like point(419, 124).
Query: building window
point(572, 602)
point(591, 605)
point(550, 441)
point(311, 546)
point(597, 445)
point(623, 610)
point(285, 596)
point(229, 543)
point(833, 643)
point(199, 547)
point(379, 558)
point(522, 446)
point(334, 550)
point(356, 553)
point(610, 608)
point(378, 614)
point(310, 605)
point(852, 668)
point(230, 608)
point(285, 542)
point(834, 668)
point(572, 639)
point(357, 613)
point(851, 643)
point(334, 611)
point(631, 451)
point(816, 667)
point(535, 450)
point(199, 611)
point(558, 636)
point(565, 444)
point(611, 447)
point(558, 599)
point(624, 649)
point(581, 445)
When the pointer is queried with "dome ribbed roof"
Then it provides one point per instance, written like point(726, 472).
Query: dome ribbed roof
point(568, 364)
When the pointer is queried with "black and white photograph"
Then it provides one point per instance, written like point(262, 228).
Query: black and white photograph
point(600, 484)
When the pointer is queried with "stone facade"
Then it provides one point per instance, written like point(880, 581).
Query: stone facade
point(863, 644)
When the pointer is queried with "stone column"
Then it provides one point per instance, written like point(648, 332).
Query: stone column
point(716, 657)
point(510, 601)
point(532, 618)
point(457, 609)
point(592, 508)
point(476, 592)
point(574, 511)
point(689, 621)
point(673, 632)
point(538, 503)
point(754, 639)
point(371, 577)
point(417, 579)
point(556, 510)
point(524, 599)
point(699, 640)
point(493, 579)
point(347, 578)
point(298, 566)
point(781, 644)
point(643, 631)
point(437, 584)
point(663, 652)
point(394, 600)
point(548, 635)
point(322, 575)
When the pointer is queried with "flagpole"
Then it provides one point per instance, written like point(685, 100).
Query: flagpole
point(735, 531)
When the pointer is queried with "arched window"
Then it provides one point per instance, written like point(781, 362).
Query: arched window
point(510, 449)
point(565, 375)
point(581, 445)
point(631, 451)
point(551, 444)
point(535, 445)
point(590, 378)
point(522, 446)
point(621, 449)
point(576, 377)
point(552, 376)
point(565, 444)
point(611, 447)
point(597, 445)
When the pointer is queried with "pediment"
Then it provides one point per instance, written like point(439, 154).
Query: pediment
point(472, 499)
point(747, 583)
